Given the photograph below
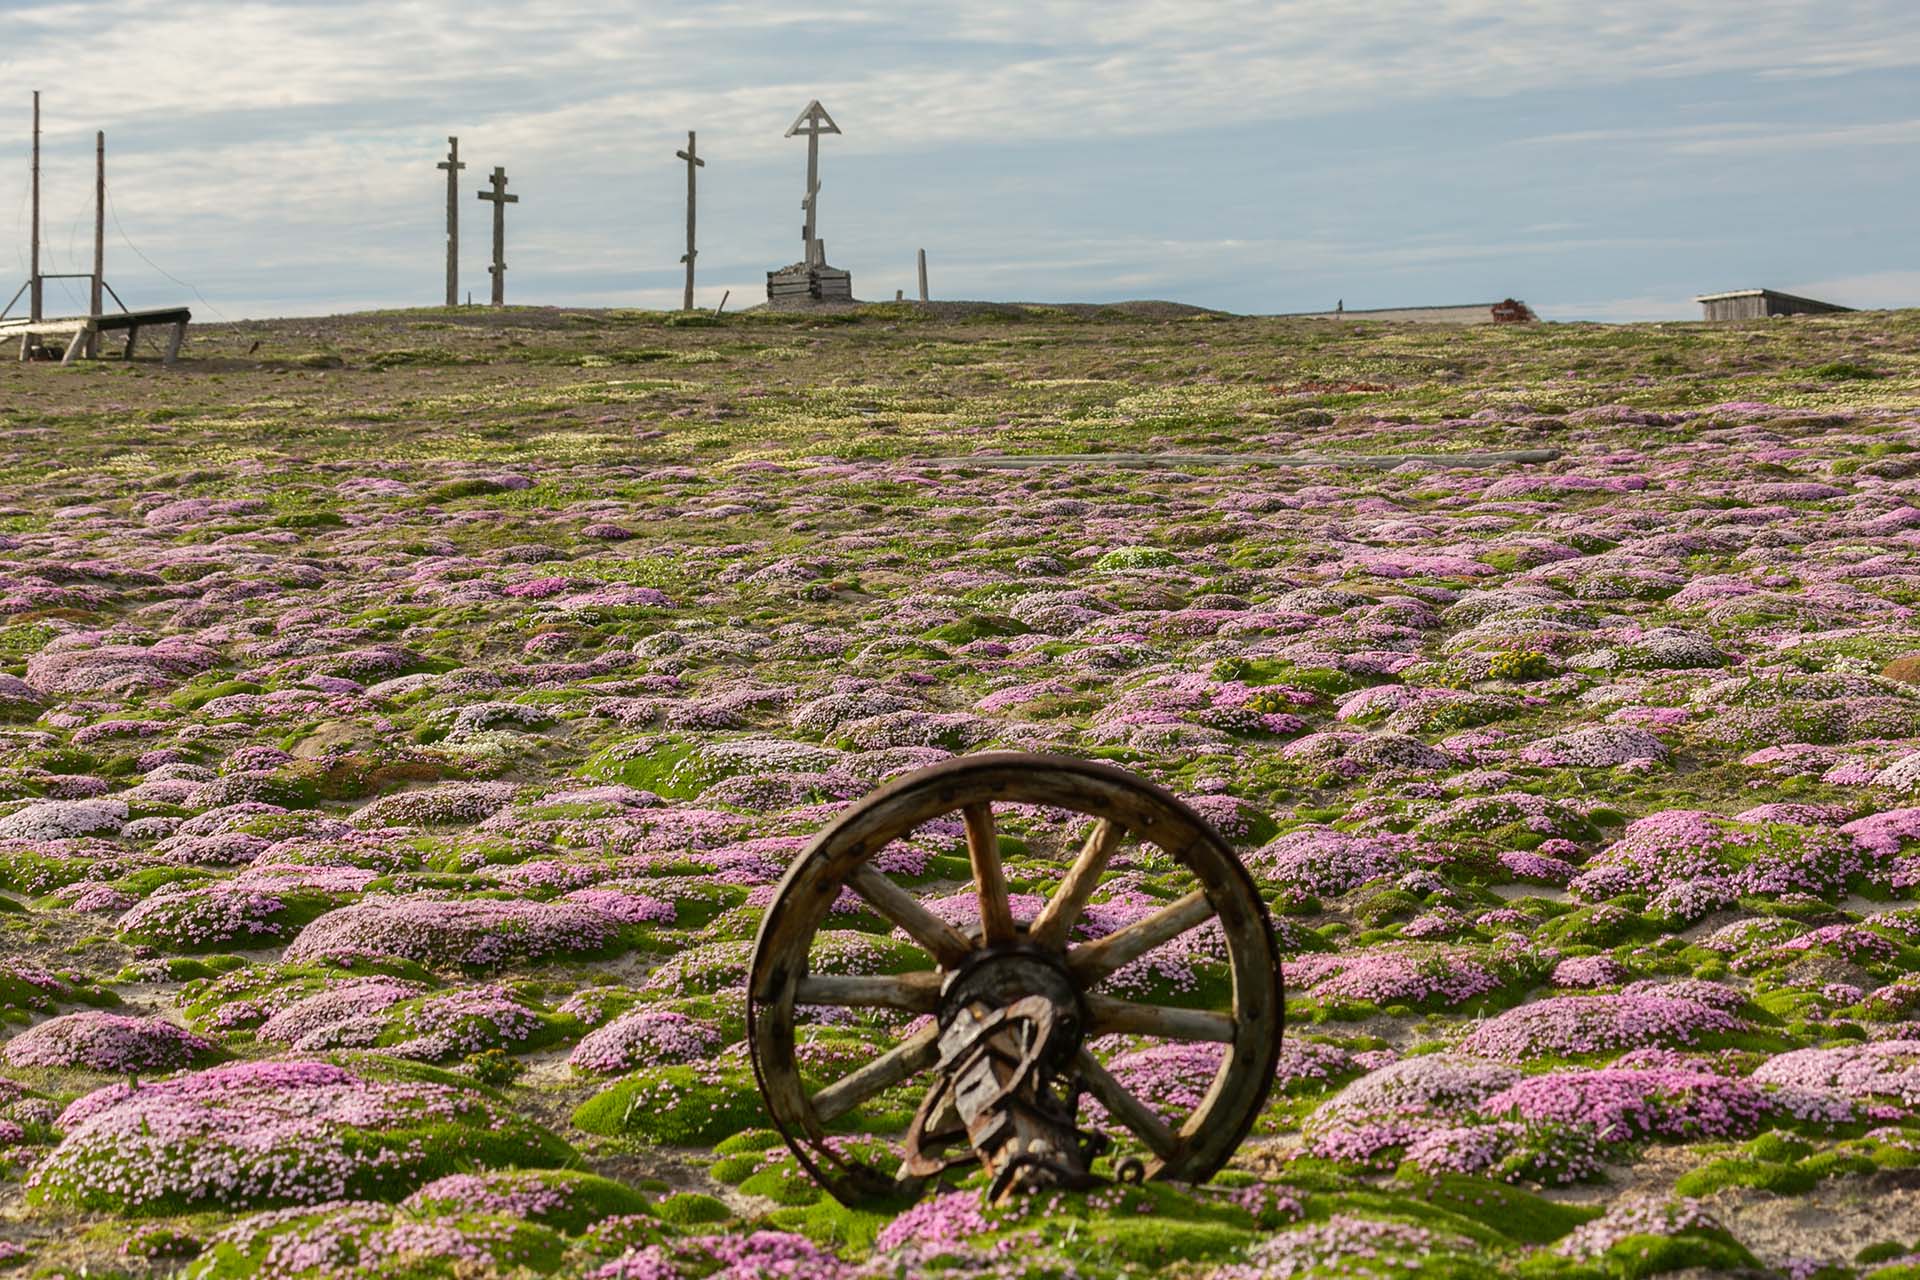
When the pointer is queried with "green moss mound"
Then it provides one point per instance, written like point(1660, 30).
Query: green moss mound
point(1519, 1215)
point(454, 490)
point(681, 769)
point(679, 1106)
point(691, 1209)
point(1639, 1256)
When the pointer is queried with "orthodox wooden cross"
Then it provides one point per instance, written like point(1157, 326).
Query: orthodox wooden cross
point(453, 164)
point(693, 162)
point(813, 122)
point(500, 200)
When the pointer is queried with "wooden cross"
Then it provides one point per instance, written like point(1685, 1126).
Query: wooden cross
point(813, 122)
point(453, 164)
point(500, 200)
point(693, 162)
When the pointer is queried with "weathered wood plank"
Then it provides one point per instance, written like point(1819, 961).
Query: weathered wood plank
point(989, 876)
point(1126, 1108)
point(1092, 962)
point(944, 942)
point(908, 992)
point(1124, 1017)
point(1056, 920)
point(902, 1062)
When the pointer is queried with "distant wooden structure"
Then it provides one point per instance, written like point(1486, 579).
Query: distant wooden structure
point(500, 200)
point(453, 164)
point(76, 336)
point(1505, 311)
point(692, 157)
point(1761, 304)
point(811, 279)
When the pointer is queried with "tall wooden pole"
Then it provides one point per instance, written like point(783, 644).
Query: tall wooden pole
point(694, 161)
point(814, 255)
point(99, 236)
point(453, 165)
point(500, 200)
point(33, 268)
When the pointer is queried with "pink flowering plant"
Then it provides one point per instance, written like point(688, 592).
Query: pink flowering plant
point(386, 816)
point(289, 1133)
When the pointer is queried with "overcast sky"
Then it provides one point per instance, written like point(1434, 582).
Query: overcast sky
point(1601, 159)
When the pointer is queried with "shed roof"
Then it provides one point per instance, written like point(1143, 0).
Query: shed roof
point(1772, 293)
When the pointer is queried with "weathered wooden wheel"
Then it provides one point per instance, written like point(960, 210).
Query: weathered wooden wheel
point(1012, 1002)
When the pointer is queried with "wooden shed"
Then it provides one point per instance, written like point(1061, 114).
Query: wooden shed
point(1760, 304)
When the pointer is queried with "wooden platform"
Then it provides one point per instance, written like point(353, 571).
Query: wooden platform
point(79, 335)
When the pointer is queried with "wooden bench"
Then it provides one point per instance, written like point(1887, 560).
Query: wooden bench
point(79, 333)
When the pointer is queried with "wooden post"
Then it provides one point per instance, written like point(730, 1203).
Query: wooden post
point(813, 122)
point(693, 162)
point(453, 164)
point(34, 291)
point(810, 234)
point(500, 200)
point(94, 301)
point(923, 275)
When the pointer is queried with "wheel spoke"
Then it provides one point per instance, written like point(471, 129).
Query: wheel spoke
point(1126, 1108)
point(909, 992)
point(989, 877)
point(1093, 961)
point(947, 944)
point(907, 1059)
point(1124, 1017)
point(1056, 920)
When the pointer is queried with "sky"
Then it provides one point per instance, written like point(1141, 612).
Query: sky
point(1600, 160)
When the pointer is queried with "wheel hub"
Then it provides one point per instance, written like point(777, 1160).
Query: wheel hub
point(997, 979)
point(1011, 1022)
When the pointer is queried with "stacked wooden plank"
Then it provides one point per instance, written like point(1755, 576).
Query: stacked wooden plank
point(803, 283)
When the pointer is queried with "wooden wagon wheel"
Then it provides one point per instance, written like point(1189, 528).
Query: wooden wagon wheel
point(1127, 808)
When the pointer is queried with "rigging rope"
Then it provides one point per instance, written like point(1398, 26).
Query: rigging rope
point(114, 210)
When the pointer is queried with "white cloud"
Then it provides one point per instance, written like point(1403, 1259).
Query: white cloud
point(917, 71)
point(1738, 138)
point(299, 137)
